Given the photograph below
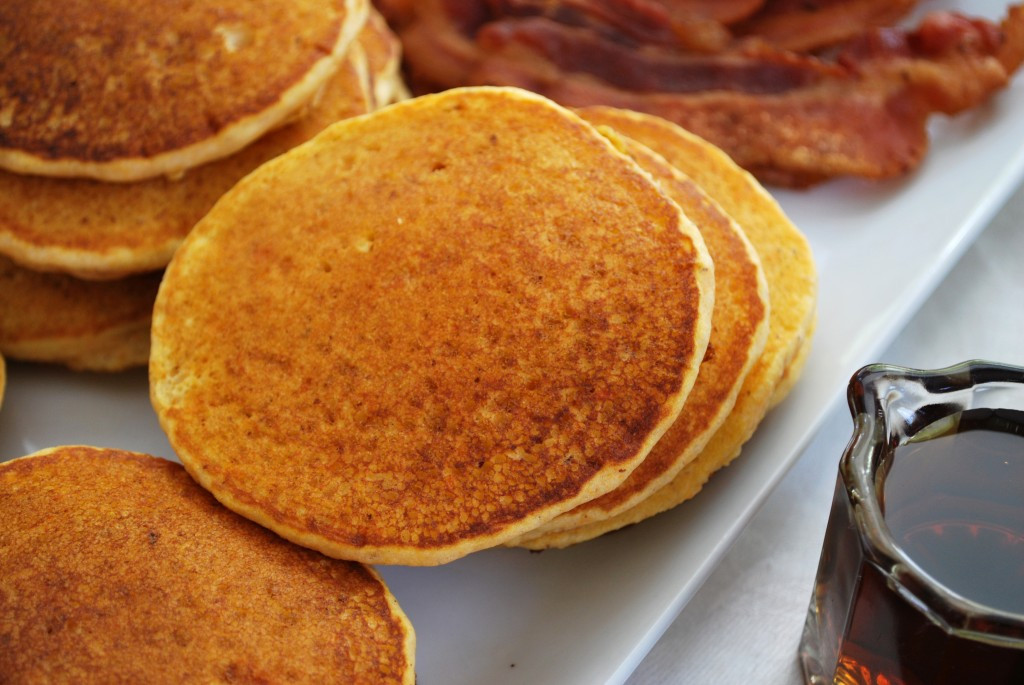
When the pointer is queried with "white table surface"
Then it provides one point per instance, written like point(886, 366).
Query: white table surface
point(744, 624)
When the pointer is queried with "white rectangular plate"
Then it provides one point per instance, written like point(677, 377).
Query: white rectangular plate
point(589, 614)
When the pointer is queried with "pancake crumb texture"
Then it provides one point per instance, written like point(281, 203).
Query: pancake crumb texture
point(117, 567)
point(109, 88)
point(429, 329)
point(791, 278)
point(738, 332)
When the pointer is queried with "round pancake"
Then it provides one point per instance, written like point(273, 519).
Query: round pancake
point(792, 287)
point(430, 329)
point(739, 326)
point(102, 230)
point(87, 325)
point(117, 567)
point(124, 90)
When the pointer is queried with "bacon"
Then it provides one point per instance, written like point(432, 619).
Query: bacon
point(632, 22)
point(950, 63)
point(807, 25)
point(723, 11)
point(792, 119)
point(438, 55)
point(753, 69)
point(797, 138)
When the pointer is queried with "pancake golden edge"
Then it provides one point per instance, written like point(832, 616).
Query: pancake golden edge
point(384, 53)
point(225, 142)
point(98, 231)
point(792, 287)
point(739, 329)
point(87, 325)
point(116, 562)
point(170, 380)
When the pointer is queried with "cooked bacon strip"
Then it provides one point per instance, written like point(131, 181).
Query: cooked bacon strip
point(465, 15)
point(398, 13)
point(806, 25)
point(950, 62)
point(867, 121)
point(633, 22)
point(438, 55)
point(797, 138)
point(723, 11)
point(791, 119)
point(1011, 52)
point(754, 69)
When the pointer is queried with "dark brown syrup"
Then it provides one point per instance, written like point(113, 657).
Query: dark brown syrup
point(953, 500)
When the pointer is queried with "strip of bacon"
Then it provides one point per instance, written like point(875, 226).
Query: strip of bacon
point(724, 11)
point(869, 120)
point(791, 119)
point(807, 25)
point(438, 55)
point(632, 22)
point(794, 139)
point(752, 69)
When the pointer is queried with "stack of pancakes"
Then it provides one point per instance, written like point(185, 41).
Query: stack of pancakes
point(466, 320)
point(121, 124)
point(473, 319)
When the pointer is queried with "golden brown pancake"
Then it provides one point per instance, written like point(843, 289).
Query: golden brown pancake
point(739, 326)
point(792, 288)
point(102, 230)
point(87, 325)
point(384, 53)
point(791, 374)
point(117, 567)
point(124, 90)
point(430, 329)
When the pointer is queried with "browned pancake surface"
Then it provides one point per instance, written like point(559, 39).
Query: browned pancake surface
point(95, 325)
point(117, 567)
point(792, 288)
point(106, 230)
point(430, 329)
point(738, 331)
point(97, 82)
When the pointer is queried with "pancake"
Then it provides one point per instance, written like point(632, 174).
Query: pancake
point(738, 331)
point(117, 567)
point(87, 325)
point(791, 374)
point(384, 54)
point(98, 230)
point(792, 287)
point(430, 329)
point(124, 90)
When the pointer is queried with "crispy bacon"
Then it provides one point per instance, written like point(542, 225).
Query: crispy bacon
point(792, 119)
point(632, 22)
point(806, 25)
point(723, 11)
point(797, 138)
point(752, 69)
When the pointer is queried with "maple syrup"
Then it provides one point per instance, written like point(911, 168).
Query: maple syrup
point(952, 496)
